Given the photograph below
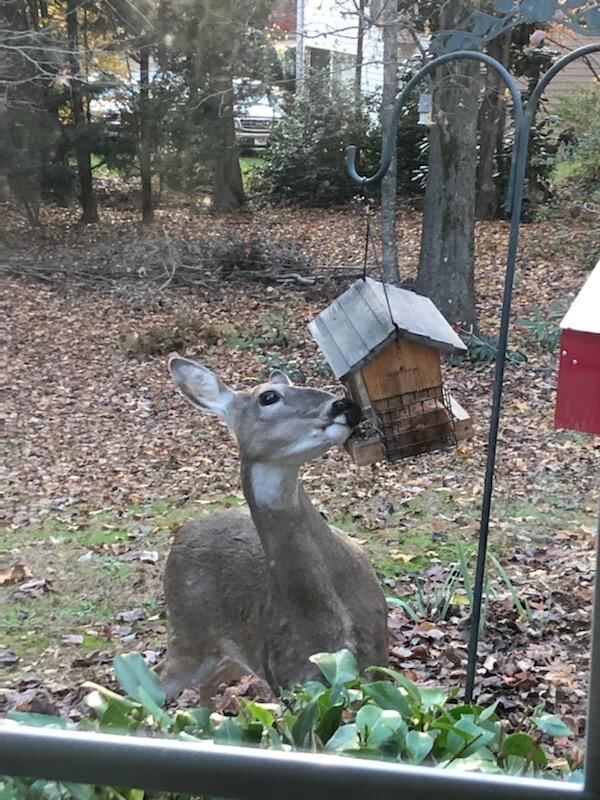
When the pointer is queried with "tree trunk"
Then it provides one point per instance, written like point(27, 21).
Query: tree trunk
point(391, 273)
point(492, 116)
point(228, 190)
point(446, 267)
point(300, 52)
point(360, 38)
point(82, 148)
point(144, 145)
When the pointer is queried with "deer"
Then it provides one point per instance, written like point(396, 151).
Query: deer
point(258, 591)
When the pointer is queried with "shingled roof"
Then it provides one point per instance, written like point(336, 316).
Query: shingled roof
point(357, 325)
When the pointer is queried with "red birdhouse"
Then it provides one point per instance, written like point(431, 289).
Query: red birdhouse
point(578, 397)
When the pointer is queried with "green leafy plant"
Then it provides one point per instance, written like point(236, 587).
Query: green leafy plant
point(305, 161)
point(578, 167)
point(384, 716)
point(457, 589)
point(482, 348)
point(543, 328)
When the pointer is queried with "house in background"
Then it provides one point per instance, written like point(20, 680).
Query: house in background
point(581, 73)
point(325, 35)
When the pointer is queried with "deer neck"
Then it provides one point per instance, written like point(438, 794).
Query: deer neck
point(285, 519)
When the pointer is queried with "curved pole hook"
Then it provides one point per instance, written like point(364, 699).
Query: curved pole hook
point(390, 141)
point(522, 114)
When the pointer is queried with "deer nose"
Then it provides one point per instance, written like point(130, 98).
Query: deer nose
point(349, 409)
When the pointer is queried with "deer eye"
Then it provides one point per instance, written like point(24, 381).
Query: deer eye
point(269, 397)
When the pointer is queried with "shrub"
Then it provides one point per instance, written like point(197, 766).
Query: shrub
point(544, 329)
point(386, 716)
point(306, 159)
point(578, 166)
point(482, 349)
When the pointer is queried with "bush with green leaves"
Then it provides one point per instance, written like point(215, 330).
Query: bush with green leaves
point(578, 168)
point(482, 349)
point(385, 716)
point(306, 159)
point(543, 327)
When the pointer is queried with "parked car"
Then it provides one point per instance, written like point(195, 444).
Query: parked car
point(254, 118)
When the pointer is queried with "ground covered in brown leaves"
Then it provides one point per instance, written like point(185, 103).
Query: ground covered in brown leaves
point(104, 460)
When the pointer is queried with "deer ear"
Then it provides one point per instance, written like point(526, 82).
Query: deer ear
point(279, 376)
point(200, 386)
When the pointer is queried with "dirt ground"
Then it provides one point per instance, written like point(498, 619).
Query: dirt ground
point(104, 461)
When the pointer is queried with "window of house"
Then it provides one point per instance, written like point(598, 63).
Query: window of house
point(319, 59)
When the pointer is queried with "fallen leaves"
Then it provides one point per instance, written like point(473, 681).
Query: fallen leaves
point(229, 699)
point(14, 574)
point(133, 615)
point(8, 658)
point(93, 432)
point(35, 701)
point(31, 589)
point(405, 558)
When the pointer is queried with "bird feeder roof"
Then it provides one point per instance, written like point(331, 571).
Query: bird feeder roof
point(357, 325)
point(584, 313)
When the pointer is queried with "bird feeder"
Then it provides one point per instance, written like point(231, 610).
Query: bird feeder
point(578, 395)
point(385, 345)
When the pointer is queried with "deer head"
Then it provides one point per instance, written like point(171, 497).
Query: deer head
point(276, 422)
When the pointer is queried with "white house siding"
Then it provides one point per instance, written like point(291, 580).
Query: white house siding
point(576, 75)
point(332, 25)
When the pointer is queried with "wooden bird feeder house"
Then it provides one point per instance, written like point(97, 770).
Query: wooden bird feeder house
point(578, 394)
point(385, 344)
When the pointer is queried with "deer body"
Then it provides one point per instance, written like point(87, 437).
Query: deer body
point(261, 593)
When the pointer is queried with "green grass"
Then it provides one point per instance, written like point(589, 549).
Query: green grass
point(248, 164)
point(435, 527)
point(88, 593)
point(566, 170)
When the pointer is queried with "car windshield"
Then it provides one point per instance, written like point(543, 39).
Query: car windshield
point(253, 101)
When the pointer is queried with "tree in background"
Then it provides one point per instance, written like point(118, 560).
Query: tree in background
point(211, 44)
point(491, 130)
point(446, 265)
point(138, 22)
point(177, 113)
point(34, 56)
point(514, 50)
point(389, 249)
point(81, 121)
point(188, 56)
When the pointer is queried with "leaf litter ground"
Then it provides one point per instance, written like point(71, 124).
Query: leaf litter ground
point(105, 461)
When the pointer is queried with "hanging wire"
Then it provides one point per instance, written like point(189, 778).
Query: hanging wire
point(367, 231)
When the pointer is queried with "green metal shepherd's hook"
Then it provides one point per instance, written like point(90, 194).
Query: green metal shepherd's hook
point(523, 115)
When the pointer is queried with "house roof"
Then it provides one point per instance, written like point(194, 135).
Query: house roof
point(357, 325)
point(584, 313)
